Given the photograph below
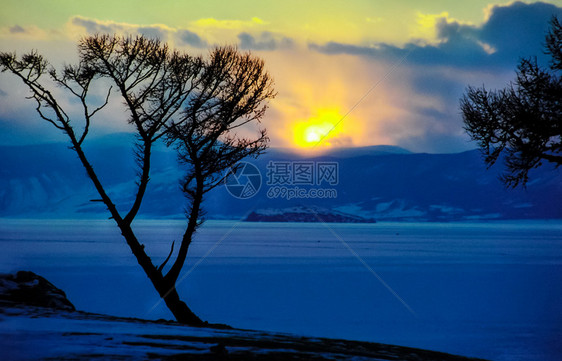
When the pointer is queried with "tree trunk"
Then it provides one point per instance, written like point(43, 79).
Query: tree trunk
point(166, 289)
point(179, 309)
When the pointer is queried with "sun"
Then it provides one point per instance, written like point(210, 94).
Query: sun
point(318, 131)
point(315, 133)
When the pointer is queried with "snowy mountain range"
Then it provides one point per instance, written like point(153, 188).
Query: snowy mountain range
point(379, 182)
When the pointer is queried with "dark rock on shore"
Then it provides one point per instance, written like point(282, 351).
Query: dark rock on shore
point(28, 288)
point(305, 215)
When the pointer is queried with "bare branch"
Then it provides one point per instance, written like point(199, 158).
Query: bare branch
point(167, 258)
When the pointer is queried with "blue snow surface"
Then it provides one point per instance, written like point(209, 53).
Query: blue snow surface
point(490, 290)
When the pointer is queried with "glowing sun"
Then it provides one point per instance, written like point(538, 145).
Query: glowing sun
point(318, 130)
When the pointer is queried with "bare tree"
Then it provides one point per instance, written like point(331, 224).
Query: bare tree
point(192, 103)
point(524, 120)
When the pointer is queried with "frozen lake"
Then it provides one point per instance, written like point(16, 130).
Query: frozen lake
point(489, 290)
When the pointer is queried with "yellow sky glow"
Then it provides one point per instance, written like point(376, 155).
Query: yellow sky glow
point(315, 89)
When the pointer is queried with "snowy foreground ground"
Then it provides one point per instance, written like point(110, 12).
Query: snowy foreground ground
point(30, 333)
point(482, 290)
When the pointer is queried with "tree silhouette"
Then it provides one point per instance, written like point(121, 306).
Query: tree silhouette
point(191, 103)
point(524, 120)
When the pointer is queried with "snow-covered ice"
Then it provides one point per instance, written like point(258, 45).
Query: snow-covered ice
point(488, 290)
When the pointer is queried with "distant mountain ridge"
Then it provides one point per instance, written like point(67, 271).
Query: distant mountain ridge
point(346, 152)
point(379, 182)
point(365, 151)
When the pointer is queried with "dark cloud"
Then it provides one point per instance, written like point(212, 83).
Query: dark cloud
point(16, 29)
point(340, 141)
point(436, 142)
point(453, 31)
point(94, 27)
point(465, 53)
point(153, 32)
point(98, 27)
point(510, 32)
point(265, 41)
point(377, 51)
point(513, 31)
point(519, 29)
point(189, 38)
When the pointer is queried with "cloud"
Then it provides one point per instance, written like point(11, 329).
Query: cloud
point(341, 141)
point(95, 26)
point(153, 32)
point(181, 36)
point(508, 33)
point(460, 53)
point(518, 26)
point(426, 26)
point(25, 32)
point(187, 37)
point(264, 41)
point(427, 77)
point(16, 29)
point(217, 31)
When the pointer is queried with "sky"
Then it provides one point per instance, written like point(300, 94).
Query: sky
point(347, 73)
